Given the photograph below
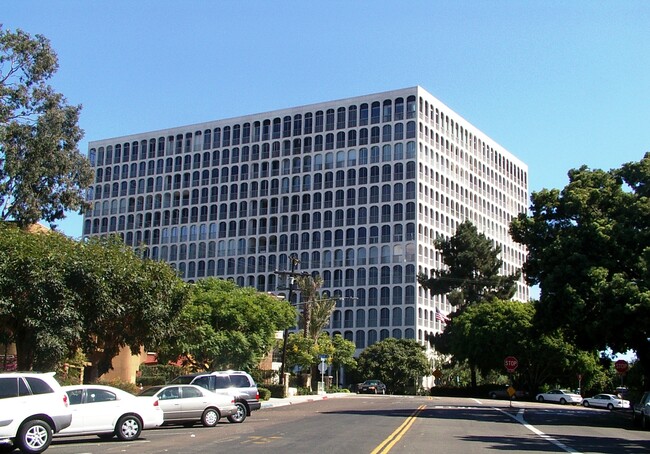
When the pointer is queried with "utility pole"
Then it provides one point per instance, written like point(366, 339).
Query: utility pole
point(293, 258)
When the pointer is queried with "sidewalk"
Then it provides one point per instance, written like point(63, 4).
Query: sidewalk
point(277, 402)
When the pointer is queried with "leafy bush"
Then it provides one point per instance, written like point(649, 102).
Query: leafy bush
point(276, 391)
point(71, 372)
point(151, 381)
point(303, 391)
point(120, 384)
point(336, 389)
point(265, 377)
point(265, 394)
point(163, 373)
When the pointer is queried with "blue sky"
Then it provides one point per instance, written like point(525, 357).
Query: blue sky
point(559, 84)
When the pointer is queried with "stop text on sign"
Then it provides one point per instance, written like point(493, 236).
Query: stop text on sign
point(511, 363)
point(621, 366)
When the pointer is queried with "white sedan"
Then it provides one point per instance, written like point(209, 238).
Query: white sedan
point(106, 411)
point(609, 401)
point(561, 396)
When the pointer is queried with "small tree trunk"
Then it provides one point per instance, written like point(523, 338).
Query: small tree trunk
point(643, 355)
point(305, 319)
point(24, 351)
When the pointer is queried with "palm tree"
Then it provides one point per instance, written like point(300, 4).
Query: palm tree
point(309, 286)
point(320, 312)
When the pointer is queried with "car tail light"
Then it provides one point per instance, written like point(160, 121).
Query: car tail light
point(257, 396)
point(65, 399)
point(155, 402)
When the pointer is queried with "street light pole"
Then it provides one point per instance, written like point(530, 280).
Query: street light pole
point(293, 258)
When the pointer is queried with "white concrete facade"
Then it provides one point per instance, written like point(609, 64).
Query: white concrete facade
point(357, 188)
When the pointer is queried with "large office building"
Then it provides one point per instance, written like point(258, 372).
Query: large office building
point(357, 189)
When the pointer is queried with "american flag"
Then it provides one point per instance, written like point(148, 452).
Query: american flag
point(441, 317)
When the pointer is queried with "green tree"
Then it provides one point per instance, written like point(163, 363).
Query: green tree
point(301, 351)
point(589, 249)
point(42, 173)
point(38, 310)
point(485, 333)
point(58, 296)
point(321, 310)
point(471, 274)
point(305, 353)
point(399, 363)
point(227, 326)
point(472, 269)
point(343, 355)
point(125, 300)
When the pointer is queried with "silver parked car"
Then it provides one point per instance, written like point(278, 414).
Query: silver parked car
point(232, 382)
point(189, 404)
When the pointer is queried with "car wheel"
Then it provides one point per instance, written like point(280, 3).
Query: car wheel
point(493, 395)
point(540, 398)
point(34, 436)
point(128, 428)
point(240, 416)
point(383, 391)
point(563, 401)
point(585, 403)
point(210, 417)
point(610, 407)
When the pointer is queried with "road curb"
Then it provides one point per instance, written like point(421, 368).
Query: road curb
point(294, 400)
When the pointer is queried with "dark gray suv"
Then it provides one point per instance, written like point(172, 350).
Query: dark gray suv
point(238, 383)
point(642, 411)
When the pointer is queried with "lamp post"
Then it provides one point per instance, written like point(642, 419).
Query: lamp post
point(293, 258)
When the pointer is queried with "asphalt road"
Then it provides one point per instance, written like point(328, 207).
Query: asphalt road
point(382, 424)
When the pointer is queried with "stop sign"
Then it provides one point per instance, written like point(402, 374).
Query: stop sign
point(511, 363)
point(621, 366)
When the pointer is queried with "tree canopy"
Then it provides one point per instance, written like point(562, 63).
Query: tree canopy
point(472, 269)
point(399, 363)
point(227, 326)
point(589, 249)
point(58, 295)
point(42, 173)
point(487, 332)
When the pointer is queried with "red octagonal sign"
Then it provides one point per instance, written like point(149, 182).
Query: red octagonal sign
point(621, 366)
point(511, 363)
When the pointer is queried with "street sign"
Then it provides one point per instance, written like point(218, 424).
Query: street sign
point(621, 366)
point(322, 367)
point(511, 363)
point(323, 357)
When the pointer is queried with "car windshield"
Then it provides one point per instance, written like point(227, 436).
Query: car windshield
point(372, 382)
point(150, 391)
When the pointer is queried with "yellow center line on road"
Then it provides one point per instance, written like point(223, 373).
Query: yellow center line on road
point(393, 438)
